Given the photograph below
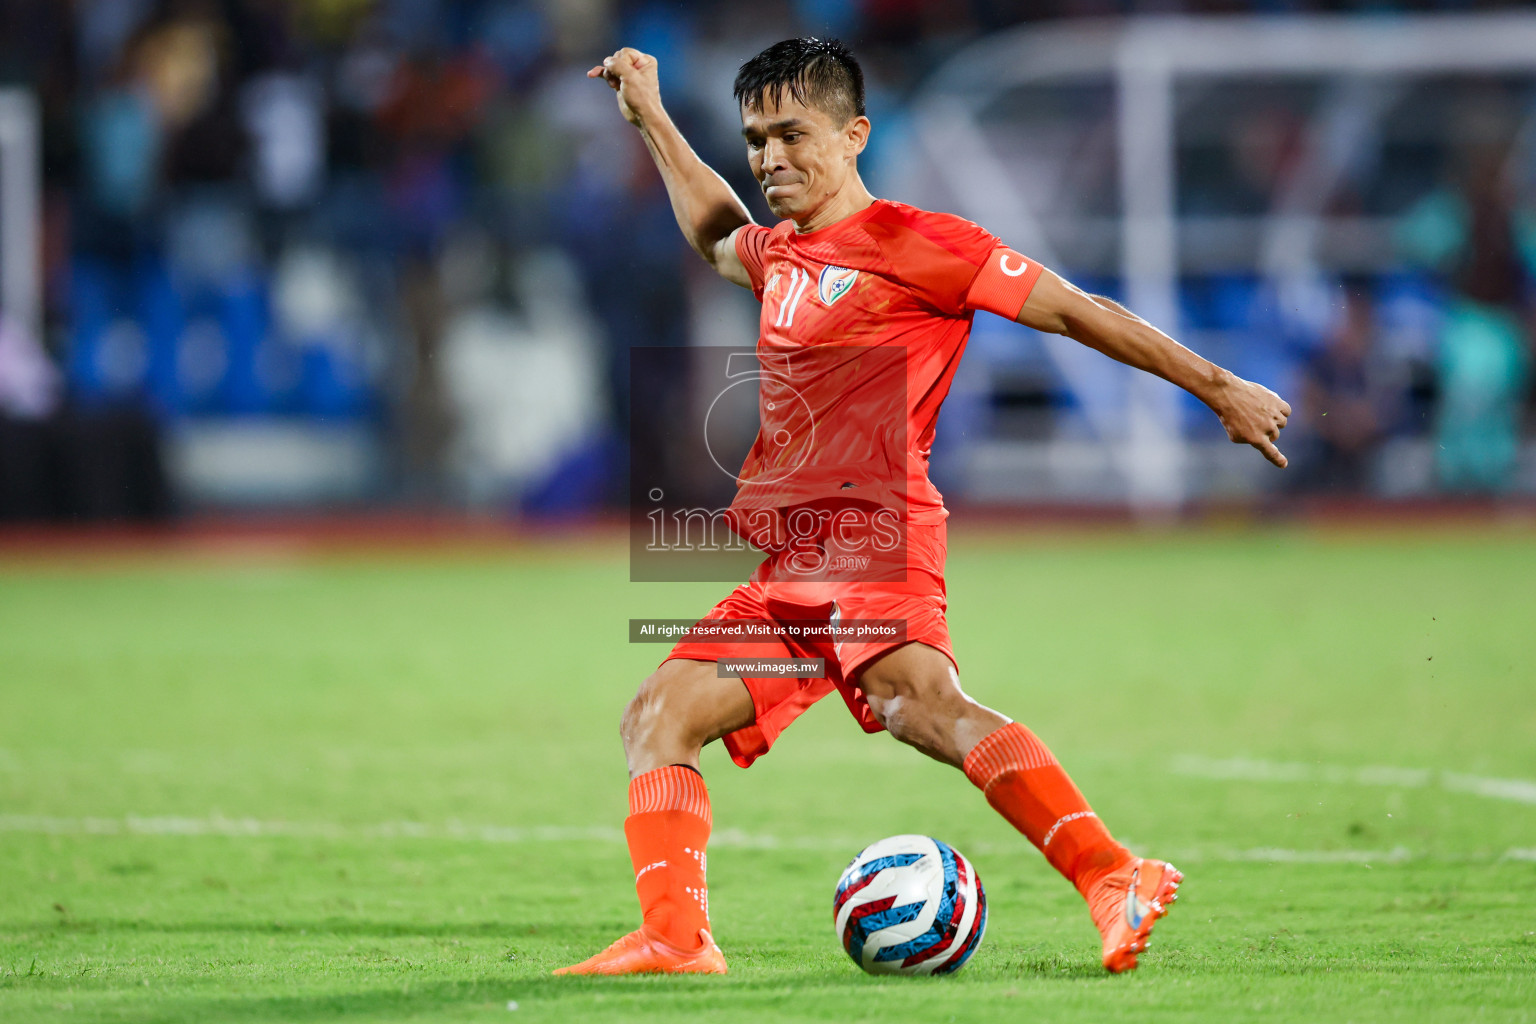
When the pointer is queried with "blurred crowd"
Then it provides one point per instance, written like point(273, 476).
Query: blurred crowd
point(417, 220)
point(1465, 384)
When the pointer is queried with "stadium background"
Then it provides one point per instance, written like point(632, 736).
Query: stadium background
point(351, 255)
point(312, 435)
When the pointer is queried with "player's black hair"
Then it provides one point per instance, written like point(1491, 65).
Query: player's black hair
point(820, 73)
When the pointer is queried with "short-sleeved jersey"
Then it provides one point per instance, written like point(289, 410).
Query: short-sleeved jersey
point(862, 329)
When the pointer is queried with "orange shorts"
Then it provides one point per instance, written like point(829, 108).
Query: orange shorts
point(919, 602)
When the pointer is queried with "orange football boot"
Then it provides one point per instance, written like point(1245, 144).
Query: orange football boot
point(1126, 903)
point(640, 952)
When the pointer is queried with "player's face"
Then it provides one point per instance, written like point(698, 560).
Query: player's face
point(799, 155)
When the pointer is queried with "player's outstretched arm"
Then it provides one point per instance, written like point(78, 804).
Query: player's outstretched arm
point(1252, 414)
point(706, 209)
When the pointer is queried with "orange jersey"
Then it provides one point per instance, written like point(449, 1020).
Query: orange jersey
point(863, 326)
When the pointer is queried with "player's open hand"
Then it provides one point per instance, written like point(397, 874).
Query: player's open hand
point(1254, 415)
point(632, 75)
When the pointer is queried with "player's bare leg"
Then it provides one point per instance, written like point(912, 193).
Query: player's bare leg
point(680, 707)
point(914, 691)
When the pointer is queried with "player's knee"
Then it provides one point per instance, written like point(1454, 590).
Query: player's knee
point(634, 713)
point(888, 712)
point(907, 720)
point(660, 707)
point(642, 713)
point(921, 712)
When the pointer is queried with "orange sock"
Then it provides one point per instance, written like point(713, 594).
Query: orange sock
point(1025, 783)
point(668, 829)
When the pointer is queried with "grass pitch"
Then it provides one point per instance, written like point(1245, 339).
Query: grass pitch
point(390, 787)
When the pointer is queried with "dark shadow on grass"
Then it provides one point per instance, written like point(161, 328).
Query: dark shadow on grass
point(1052, 968)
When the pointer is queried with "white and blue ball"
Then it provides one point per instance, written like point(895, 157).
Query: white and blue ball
point(910, 905)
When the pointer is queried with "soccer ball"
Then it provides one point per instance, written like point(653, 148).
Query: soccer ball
point(910, 905)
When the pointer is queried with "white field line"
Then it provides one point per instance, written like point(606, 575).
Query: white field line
point(1521, 791)
point(219, 825)
point(251, 828)
point(1244, 769)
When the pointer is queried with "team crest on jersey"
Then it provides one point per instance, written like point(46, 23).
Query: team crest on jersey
point(834, 283)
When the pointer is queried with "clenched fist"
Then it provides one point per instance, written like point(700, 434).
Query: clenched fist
point(632, 75)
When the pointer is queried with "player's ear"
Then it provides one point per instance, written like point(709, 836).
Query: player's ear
point(856, 131)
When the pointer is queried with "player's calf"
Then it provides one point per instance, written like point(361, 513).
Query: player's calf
point(680, 707)
point(915, 693)
point(1126, 895)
